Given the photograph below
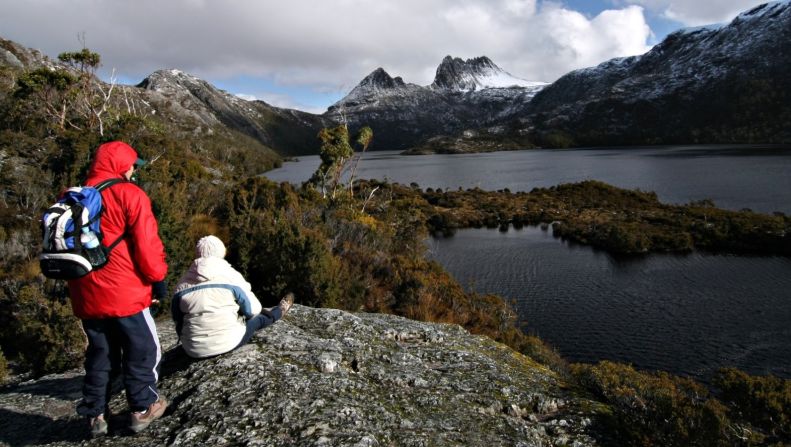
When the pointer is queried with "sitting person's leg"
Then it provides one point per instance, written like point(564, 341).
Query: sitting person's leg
point(266, 318)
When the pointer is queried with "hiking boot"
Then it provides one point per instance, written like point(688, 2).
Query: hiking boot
point(286, 303)
point(98, 426)
point(142, 420)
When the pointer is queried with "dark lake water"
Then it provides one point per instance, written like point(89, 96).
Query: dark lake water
point(758, 178)
point(688, 314)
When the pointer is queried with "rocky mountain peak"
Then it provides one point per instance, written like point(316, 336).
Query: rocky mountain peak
point(474, 74)
point(172, 79)
point(380, 79)
point(376, 85)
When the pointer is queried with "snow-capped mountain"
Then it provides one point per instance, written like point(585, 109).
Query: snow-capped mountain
point(476, 74)
point(464, 94)
point(716, 84)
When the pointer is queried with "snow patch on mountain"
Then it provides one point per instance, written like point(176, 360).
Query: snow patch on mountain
point(503, 79)
point(476, 74)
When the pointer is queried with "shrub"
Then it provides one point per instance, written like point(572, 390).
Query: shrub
point(276, 251)
point(40, 330)
point(762, 401)
point(654, 409)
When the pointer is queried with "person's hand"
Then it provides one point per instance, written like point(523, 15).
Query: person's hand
point(159, 290)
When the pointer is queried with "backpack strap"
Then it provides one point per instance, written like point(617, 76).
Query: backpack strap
point(108, 183)
point(104, 185)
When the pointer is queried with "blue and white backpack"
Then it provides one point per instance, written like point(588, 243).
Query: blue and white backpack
point(72, 233)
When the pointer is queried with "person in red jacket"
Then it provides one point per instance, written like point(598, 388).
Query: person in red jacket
point(113, 302)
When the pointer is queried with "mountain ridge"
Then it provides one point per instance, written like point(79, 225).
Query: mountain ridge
point(716, 84)
point(724, 83)
point(474, 92)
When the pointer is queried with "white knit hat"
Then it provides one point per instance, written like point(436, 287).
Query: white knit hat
point(209, 246)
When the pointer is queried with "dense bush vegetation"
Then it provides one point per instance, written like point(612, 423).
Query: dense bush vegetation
point(654, 409)
point(43, 152)
point(764, 402)
point(657, 409)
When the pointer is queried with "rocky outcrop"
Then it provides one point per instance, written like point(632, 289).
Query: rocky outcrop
point(328, 377)
point(16, 56)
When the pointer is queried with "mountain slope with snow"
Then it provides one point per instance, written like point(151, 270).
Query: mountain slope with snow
point(715, 84)
point(464, 94)
point(721, 84)
point(476, 74)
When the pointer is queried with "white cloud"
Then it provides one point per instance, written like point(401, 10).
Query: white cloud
point(327, 45)
point(698, 12)
point(566, 39)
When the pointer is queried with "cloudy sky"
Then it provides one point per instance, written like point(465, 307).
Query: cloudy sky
point(307, 54)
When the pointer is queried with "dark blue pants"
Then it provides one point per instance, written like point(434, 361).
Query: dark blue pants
point(260, 321)
point(129, 345)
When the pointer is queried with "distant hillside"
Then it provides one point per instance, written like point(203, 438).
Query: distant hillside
point(289, 132)
point(191, 106)
point(724, 84)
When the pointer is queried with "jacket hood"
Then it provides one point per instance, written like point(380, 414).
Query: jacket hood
point(112, 160)
point(207, 269)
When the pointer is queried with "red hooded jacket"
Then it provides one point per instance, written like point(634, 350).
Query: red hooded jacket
point(123, 286)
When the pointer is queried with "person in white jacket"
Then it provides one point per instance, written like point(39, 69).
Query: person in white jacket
point(214, 308)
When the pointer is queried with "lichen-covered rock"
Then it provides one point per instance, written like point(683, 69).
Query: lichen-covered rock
point(328, 377)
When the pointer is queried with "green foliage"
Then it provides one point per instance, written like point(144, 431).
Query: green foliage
point(273, 248)
point(335, 152)
point(43, 79)
point(364, 138)
point(655, 409)
point(604, 216)
point(82, 60)
point(45, 95)
point(763, 401)
point(556, 139)
point(38, 327)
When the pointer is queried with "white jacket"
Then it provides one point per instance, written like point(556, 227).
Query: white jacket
point(210, 307)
